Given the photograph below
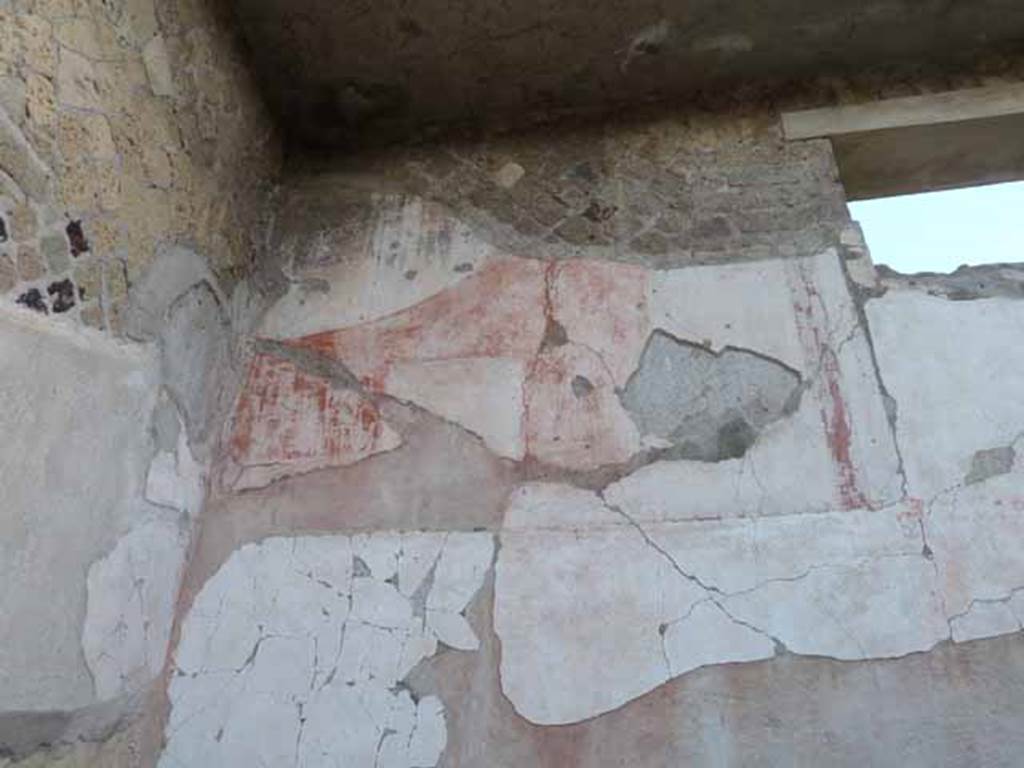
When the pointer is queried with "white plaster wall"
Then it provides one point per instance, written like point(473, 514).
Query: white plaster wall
point(956, 372)
point(74, 415)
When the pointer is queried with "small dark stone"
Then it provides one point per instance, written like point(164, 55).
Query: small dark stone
point(3, 230)
point(463, 267)
point(76, 238)
point(63, 293)
point(411, 274)
point(598, 211)
point(33, 299)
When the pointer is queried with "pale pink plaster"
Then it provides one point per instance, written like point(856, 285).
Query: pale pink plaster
point(482, 394)
point(581, 429)
point(603, 306)
point(499, 312)
point(288, 422)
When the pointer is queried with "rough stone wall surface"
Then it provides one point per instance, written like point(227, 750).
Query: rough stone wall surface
point(597, 448)
point(698, 188)
point(124, 126)
point(722, 511)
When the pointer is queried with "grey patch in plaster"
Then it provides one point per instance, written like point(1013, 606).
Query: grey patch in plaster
point(710, 406)
point(173, 273)
point(990, 463)
point(965, 284)
point(194, 342)
point(360, 569)
point(25, 733)
point(166, 425)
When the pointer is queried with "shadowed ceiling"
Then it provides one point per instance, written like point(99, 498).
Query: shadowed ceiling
point(338, 72)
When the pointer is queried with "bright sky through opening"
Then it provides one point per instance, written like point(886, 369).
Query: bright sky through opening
point(939, 231)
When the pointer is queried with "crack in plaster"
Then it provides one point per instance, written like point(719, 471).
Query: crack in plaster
point(275, 608)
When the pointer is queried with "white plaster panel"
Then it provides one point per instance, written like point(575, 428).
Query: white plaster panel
point(74, 413)
point(483, 395)
point(745, 306)
point(290, 656)
point(578, 607)
point(594, 607)
point(974, 533)
point(955, 370)
point(131, 598)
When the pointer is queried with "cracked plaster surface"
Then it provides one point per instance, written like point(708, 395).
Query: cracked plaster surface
point(289, 422)
point(595, 608)
point(73, 409)
point(295, 651)
point(570, 334)
point(954, 369)
point(132, 592)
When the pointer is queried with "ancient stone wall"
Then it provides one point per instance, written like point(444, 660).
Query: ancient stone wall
point(507, 485)
point(587, 447)
point(135, 163)
point(123, 126)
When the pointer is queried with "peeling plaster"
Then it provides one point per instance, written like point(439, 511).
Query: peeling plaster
point(954, 370)
point(288, 655)
point(132, 593)
point(710, 407)
point(288, 422)
point(595, 608)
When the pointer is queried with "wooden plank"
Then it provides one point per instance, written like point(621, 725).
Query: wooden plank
point(912, 111)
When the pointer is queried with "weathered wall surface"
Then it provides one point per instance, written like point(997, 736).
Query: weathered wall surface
point(105, 476)
point(123, 126)
point(501, 489)
point(135, 159)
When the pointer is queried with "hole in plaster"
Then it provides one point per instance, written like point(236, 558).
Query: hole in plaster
point(708, 406)
point(76, 238)
point(939, 232)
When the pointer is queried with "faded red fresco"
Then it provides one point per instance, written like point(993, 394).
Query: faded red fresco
point(603, 306)
point(573, 416)
point(503, 312)
point(835, 420)
point(498, 312)
point(288, 421)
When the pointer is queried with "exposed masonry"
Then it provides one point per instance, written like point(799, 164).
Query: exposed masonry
point(416, 375)
point(121, 125)
point(965, 284)
point(709, 407)
point(296, 651)
point(664, 193)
